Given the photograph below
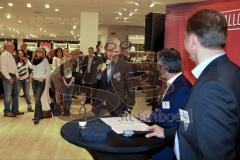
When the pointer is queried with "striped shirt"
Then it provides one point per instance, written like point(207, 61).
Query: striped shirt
point(23, 71)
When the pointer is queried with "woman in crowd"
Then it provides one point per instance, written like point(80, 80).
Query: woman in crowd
point(24, 77)
point(67, 70)
point(41, 70)
point(56, 77)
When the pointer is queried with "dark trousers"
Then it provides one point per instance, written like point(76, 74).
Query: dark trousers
point(38, 88)
point(67, 93)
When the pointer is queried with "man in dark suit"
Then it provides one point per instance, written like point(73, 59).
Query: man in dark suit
point(174, 98)
point(99, 54)
point(210, 123)
point(90, 64)
point(26, 51)
point(115, 93)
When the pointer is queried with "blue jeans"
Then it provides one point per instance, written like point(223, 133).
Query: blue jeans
point(25, 85)
point(38, 88)
point(10, 95)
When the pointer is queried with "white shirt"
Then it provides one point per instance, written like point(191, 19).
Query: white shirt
point(56, 63)
point(170, 81)
point(196, 72)
point(8, 64)
point(40, 71)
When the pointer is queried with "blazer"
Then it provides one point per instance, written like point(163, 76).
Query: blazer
point(121, 96)
point(90, 78)
point(176, 96)
point(213, 131)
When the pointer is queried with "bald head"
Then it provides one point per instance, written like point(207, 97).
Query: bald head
point(9, 46)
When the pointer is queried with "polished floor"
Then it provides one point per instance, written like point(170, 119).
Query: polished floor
point(22, 140)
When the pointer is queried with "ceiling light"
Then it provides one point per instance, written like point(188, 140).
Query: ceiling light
point(125, 18)
point(2, 34)
point(152, 5)
point(10, 4)
point(45, 31)
point(119, 13)
point(74, 26)
point(125, 9)
point(56, 10)
point(135, 10)
point(8, 16)
point(130, 14)
point(13, 30)
point(136, 3)
point(29, 5)
point(47, 6)
point(1, 7)
point(19, 21)
point(116, 18)
point(40, 29)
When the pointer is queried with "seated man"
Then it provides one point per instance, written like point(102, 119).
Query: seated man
point(174, 98)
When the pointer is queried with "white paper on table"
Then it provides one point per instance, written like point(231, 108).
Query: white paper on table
point(119, 124)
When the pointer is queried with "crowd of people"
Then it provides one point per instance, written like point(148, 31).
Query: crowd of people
point(198, 122)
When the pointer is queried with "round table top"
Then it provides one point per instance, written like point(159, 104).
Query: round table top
point(114, 143)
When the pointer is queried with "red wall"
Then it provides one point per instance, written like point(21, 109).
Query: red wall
point(176, 19)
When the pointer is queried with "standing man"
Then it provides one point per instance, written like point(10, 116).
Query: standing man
point(27, 52)
point(90, 64)
point(9, 77)
point(173, 99)
point(99, 54)
point(114, 79)
point(210, 123)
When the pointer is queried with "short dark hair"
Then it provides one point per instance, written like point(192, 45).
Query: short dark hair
point(91, 48)
point(210, 26)
point(170, 59)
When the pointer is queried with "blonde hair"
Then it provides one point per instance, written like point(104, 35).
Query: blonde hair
point(39, 49)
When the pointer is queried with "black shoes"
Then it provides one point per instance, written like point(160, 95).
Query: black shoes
point(9, 114)
point(35, 121)
point(30, 110)
point(18, 113)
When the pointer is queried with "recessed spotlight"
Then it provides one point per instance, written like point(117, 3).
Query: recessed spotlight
point(2, 34)
point(74, 26)
point(40, 29)
point(130, 14)
point(29, 5)
point(125, 18)
point(116, 18)
point(125, 9)
point(10, 4)
point(56, 10)
point(136, 3)
point(8, 16)
point(45, 31)
point(1, 7)
point(19, 21)
point(119, 13)
point(47, 6)
point(152, 5)
point(135, 10)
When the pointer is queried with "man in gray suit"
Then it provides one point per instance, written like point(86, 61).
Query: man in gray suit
point(115, 93)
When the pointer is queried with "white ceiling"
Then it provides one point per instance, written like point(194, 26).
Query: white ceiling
point(37, 19)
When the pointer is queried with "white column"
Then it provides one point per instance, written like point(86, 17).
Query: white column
point(88, 30)
point(19, 42)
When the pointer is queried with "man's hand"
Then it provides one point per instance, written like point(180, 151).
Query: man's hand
point(156, 131)
point(145, 115)
point(11, 81)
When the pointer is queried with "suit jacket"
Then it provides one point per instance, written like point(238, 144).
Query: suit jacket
point(90, 78)
point(118, 93)
point(214, 111)
point(177, 95)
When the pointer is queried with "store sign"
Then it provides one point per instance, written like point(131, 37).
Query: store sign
point(233, 19)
